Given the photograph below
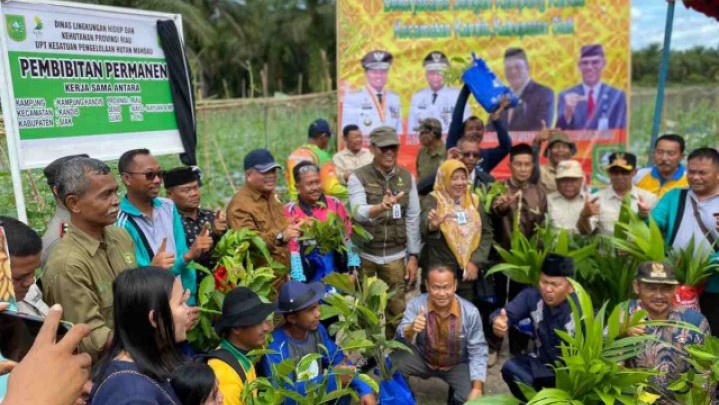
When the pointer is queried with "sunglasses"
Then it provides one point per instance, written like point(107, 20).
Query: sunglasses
point(471, 154)
point(149, 176)
point(309, 169)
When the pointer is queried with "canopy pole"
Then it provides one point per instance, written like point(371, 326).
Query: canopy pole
point(663, 69)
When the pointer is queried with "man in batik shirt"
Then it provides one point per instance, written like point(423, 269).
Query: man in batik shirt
point(655, 287)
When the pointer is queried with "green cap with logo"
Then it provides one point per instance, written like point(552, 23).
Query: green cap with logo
point(656, 273)
point(384, 136)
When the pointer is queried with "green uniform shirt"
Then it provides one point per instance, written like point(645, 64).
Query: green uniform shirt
point(428, 161)
point(79, 275)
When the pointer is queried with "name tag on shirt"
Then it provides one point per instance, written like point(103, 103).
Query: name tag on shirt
point(461, 218)
point(396, 211)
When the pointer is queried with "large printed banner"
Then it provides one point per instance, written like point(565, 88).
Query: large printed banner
point(568, 61)
point(85, 79)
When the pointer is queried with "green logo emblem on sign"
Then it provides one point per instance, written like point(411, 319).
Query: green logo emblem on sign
point(16, 27)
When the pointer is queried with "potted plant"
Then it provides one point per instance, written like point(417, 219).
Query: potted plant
point(697, 386)
point(361, 328)
point(291, 372)
point(692, 268)
point(238, 254)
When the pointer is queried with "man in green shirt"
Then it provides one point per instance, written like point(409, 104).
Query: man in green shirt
point(433, 151)
point(84, 263)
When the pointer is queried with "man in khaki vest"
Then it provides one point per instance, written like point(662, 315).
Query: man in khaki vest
point(384, 201)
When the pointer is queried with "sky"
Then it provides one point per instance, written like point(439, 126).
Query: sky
point(691, 28)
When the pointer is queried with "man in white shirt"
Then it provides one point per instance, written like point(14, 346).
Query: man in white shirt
point(605, 205)
point(437, 100)
point(353, 156)
point(373, 106)
point(25, 249)
point(566, 205)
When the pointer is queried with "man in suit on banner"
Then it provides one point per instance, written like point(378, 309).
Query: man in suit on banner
point(537, 100)
point(592, 104)
point(437, 100)
point(373, 105)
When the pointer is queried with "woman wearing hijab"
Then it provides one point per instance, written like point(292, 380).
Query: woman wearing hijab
point(455, 230)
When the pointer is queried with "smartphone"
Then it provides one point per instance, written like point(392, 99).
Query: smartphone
point(18, 332)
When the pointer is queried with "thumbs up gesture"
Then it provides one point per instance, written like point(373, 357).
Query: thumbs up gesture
point(499, 326)
point(202, 244)
point(420, 322)
point(220, 223)
point(643, 207)
point(163, 258)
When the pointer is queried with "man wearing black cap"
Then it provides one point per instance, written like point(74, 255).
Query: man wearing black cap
point(537, 100)
point(303, 334)
point(256, 206)
point(655, 287)
point(315, 152)
point(373, 105)
point(61, 217)
point(436, 101)
point(592, 104)
point(606, 204)
point(183, 188)
point(243, 327)
point(548, 308)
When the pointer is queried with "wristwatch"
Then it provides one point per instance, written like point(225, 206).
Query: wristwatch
point(280, 238)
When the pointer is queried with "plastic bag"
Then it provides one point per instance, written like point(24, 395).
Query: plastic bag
point(395, 391)
point(688, 296)
point(485, 86)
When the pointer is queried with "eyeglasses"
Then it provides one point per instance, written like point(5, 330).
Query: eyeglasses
point(149, 176)
point(308, 169)
point(471, 154)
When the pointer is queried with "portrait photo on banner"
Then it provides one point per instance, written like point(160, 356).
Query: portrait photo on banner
point(568, 61)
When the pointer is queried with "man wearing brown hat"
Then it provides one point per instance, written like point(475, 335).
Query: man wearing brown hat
point(183, 188)
point(432, 153)
point(655, 287)
point(436, 100)
point(537, 105)
point(384, 200)
point(559, 148)
point(606, 204)
point(243, 327)
point(373, 105)
point(61, 217)
point(566, 205)
point(592, 104)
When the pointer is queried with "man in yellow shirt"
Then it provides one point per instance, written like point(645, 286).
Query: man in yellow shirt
point(667, 172)
point(243, 327)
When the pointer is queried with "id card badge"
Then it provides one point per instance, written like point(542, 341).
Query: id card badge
point(461, 218)
point(396, 211)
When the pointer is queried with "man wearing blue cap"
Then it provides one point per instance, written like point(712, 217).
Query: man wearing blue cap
point(257, 207)
point(303, 334)
point(373, 106)
point(547, 306)
point(592, 104)
point(315, 151)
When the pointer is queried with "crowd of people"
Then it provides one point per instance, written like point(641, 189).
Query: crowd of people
point(122, 267)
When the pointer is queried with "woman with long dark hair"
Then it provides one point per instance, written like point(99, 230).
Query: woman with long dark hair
point(151, 312)
point(195, 384)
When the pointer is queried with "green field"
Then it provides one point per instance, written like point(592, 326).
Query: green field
point(228, 130)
